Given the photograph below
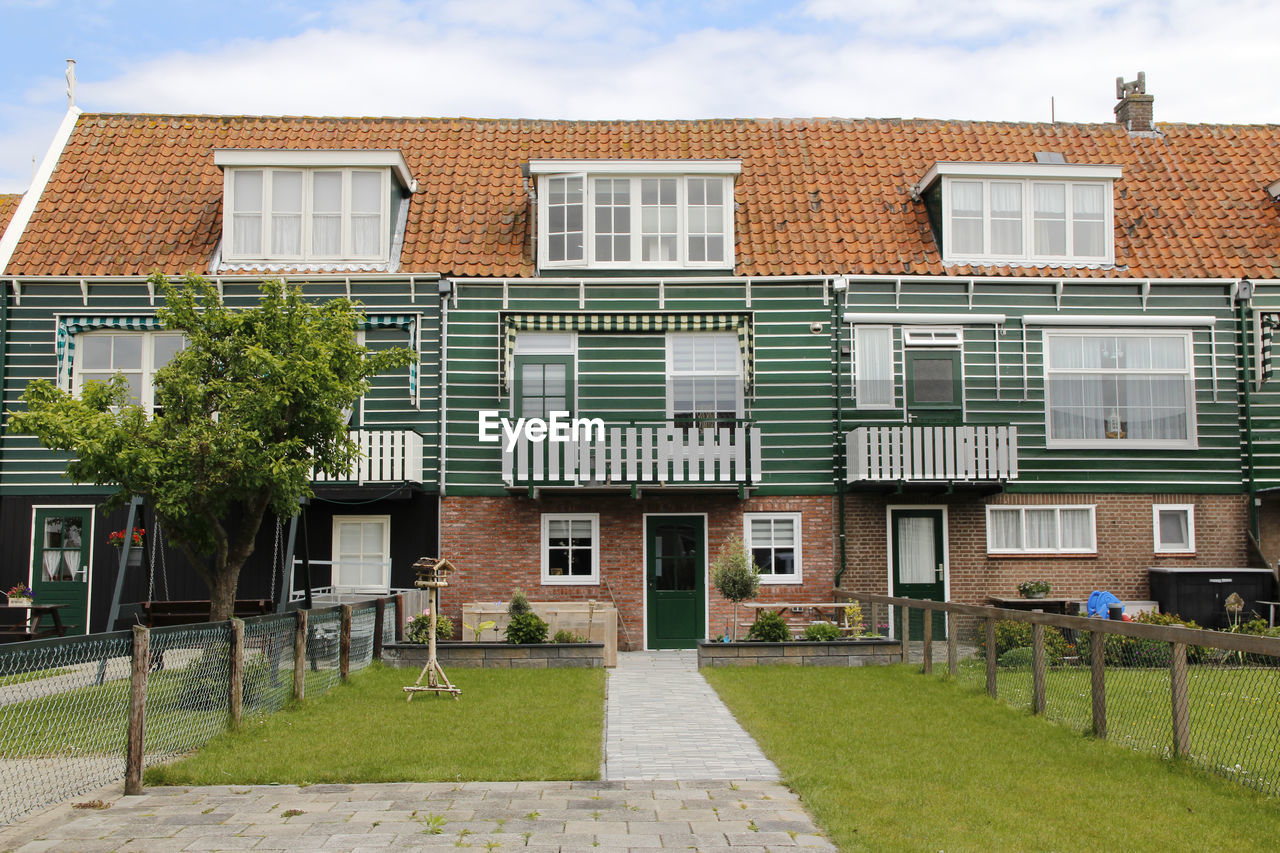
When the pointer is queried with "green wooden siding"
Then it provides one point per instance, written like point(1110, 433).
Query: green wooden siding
point(621, 378)
point(1214, 466)
point(27, 468)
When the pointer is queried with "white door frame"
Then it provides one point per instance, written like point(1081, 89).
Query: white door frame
point(946, 552)
point(644, 571)
point(88, 580)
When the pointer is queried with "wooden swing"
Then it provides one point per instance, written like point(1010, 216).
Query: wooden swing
point(433, 574)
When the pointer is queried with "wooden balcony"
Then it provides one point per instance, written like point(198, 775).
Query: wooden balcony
point(939, 454)
point(386, 456)
point(726, 457)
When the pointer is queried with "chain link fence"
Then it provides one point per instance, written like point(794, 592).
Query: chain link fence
point(1208, 697)
point(65, 702)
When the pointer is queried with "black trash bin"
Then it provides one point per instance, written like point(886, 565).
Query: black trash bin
point(1201, 594)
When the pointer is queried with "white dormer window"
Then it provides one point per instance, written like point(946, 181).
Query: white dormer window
point(1023, 213)
point(329, 207)
point(664, 214)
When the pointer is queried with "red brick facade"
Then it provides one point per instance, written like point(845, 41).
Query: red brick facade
point(496, 544)
point(1125, 541)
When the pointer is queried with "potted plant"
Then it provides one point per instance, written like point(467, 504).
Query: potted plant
point(1033, 589)
point(116, 540)
point(736, 576)
point(20, 595)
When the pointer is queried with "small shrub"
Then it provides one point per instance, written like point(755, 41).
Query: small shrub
point(418, 629)
point(526, 629)
point(822, 632)
point(1017, 635)
point(853, 618)
point(769, 627)
point(563, 636)
point(519, 604)
point(735, 575)
point(1119, 650)
point(1019, 658)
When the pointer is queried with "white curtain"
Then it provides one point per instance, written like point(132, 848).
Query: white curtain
point(1087, 227)
point(1006, 218)
point(1042, 529)
point(1050, 205)
point(1004, 530)
point(52, 562)
point(1077, 529)
point(916, 551)
point(873, 366)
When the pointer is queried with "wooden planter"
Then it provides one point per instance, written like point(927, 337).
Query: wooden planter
point(498, 655)
point(797, 653)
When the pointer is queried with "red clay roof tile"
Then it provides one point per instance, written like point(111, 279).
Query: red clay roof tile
point(8, 206)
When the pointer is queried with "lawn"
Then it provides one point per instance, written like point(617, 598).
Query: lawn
point(888, 759)
point(509, 725)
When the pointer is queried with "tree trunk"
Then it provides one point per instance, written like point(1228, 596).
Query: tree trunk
point(222, 593)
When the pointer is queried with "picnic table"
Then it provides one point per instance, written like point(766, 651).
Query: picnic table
point(27, 622)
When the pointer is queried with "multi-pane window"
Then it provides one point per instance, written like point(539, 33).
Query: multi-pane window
point(1025, 220)
point(1040, 530)
point(1110, 387)
point(362, 552)
point(873, 367)
point(544, 374)
point(661, 221)
point(307, 214)
point(135, 355)
point(774, 543)
point(571, 548)
point(1174, 528)
point(704, 379)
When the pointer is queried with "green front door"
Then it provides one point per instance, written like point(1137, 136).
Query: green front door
point(60, 563)
point(919, 564)
point(675, 575)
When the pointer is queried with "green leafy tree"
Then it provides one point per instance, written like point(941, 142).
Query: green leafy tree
point(735, 576)
point(245, 412)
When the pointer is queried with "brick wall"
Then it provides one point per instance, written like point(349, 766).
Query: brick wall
point(495, 543)
point(1126, 546)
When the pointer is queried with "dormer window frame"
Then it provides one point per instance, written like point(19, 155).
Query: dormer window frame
point(308, 168)
point(683, 186)
point(1024, 180)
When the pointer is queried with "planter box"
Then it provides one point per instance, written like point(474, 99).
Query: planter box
point(559, 615)
point(497, 655)
point(834, 653)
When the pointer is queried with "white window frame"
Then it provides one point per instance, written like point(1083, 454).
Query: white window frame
point(1021, 509)
point(737, 373)
point(147, 391)
point(635, 173)
point(861, 381)
point(1192, 440)
point(549, 579)
point(1160, 547)
point(1028, 254)
point(386, 552)
point(306, 254)
point(796, 577)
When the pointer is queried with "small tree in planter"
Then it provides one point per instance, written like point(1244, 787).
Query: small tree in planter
point(736, 576)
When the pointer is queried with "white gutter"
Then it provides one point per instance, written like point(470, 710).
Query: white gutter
point(26, 207)
point(926, 319)
point(1113, 320)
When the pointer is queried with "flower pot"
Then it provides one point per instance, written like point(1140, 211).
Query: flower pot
point(1036, 594)
point(19, 602)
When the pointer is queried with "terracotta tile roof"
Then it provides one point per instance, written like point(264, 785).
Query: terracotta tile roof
point(8, 206)
point(137, 193)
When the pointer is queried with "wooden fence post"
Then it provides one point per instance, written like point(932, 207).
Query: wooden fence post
point(137, 709)
point(1181, 704)
point(344, 644)
point(1098, 682)
point(300, 656)
point(953, 660)
point(400, 617)
point(991, 656)
point(236, 672)
point(905, 636)
point(379, 614)
point(926, 634)
point(1037, 668)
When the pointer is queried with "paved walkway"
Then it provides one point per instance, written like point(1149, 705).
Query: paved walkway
point(663, 721)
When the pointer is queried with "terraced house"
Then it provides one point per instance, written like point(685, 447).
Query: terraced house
point(929, 357)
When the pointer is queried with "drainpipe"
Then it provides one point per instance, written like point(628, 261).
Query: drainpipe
point(445, 288)
point(4, 348)
point(1243, 293)
point(838, 287)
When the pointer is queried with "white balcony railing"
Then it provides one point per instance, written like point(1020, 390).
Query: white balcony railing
point(636, 455)
point(937, 453)
point(386, 456)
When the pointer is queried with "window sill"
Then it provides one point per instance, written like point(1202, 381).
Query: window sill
point(1159, 553)
point(1119, 444)
point(1043, 555)
point(562, 581)
point(789, 580)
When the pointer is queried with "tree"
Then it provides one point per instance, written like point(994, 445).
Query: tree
point(736, 576)
point(245, 412)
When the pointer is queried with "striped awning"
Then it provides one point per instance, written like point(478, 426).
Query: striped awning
point(70, 326)
point(631, 322)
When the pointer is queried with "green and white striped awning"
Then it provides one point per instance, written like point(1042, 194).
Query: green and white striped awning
point(70, 325)
point(630, 322)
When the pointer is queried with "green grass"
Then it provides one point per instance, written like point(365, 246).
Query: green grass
point(887, 759)
point(508, 725)
point(33, 675)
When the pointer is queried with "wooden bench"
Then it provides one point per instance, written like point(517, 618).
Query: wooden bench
point(160, 613)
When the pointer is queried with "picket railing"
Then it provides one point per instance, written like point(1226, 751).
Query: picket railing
point(386, 456)
point(932, 453)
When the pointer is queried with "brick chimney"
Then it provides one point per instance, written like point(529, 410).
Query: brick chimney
point(1134, 109)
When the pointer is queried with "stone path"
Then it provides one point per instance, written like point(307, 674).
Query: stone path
point(663, 721)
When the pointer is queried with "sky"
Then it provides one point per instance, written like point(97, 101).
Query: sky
point(1000, 60)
